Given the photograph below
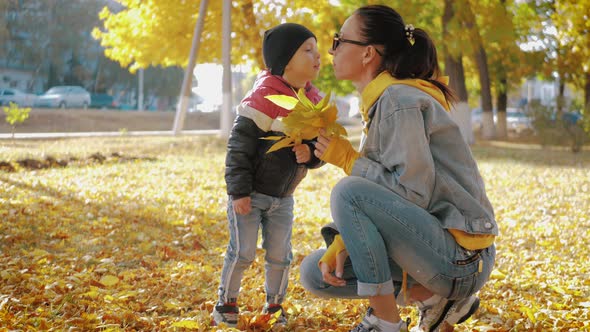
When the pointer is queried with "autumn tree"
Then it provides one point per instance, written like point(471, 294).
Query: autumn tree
point(467, 32)
point(153, 33)
point(453, 60)
point(505, 59)
point(476, 47)
point(573, 41)
point(4, 30)
point(55, 43)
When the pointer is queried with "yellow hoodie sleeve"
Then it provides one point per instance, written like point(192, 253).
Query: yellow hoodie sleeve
point(334, 249)
point(341, 153)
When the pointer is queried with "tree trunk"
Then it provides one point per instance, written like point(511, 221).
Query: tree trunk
point(454, 69)
point(52, 77)
point(587, 93)
point(248, 10)
point(461, 112)
point(226, 112)
point(488, 131)
point(502, 104)
point(561, 103)
point(481, 60)
point(502, 94)
point(97, 86)
point(185, 90)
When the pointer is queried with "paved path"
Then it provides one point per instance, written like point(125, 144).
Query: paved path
point(106, 134)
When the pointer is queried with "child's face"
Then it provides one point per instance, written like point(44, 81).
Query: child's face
point(305, 64)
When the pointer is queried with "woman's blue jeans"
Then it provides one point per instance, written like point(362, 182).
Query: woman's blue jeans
point(275, 216)
point(385, 235)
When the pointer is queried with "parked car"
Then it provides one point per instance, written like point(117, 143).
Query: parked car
point(11, 95)
point(476, 119)
point(516, 120)
point(102, 101)
point(572, 118)
point(65, 96)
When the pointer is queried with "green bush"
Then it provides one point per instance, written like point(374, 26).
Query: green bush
point(552, 129)
point(16, 115)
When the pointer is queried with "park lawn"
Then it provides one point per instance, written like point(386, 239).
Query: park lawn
point(130, 235)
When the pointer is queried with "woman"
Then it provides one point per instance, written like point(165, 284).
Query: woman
point(414, 204)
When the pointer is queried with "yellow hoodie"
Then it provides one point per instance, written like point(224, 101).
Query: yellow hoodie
point(375, 89)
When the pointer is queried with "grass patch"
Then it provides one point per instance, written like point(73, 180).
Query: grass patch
point(138, 245)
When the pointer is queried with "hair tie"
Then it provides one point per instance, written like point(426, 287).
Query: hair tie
point(410, 33)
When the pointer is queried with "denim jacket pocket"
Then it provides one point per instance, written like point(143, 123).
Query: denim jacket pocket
point(371, 151)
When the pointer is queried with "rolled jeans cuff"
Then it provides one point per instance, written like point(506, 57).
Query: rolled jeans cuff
point(365, 289)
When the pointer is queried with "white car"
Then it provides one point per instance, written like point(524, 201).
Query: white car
point(22, 99)
point(64, 96)
point(516, 120)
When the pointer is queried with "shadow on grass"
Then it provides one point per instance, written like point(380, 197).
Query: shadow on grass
point(531, 154)
point(32, 164)
point(67, 216)
point(195, 145)
point(18, 144)
point(57, 245)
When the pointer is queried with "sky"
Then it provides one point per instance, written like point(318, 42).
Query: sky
point(208, 78)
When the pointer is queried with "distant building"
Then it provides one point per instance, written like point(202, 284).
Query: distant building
point(20, 78)
point(544, 91)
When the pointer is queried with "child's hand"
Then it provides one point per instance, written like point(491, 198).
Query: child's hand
point(242, 205)
point(322, 144)
point(302, 153)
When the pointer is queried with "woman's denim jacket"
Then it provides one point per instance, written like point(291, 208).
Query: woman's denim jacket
point(414, 148)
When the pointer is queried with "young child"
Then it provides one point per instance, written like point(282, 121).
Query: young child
point(260, 185)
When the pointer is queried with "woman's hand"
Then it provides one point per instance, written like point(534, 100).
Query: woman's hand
point(302, 153)
point(322, 144)
point(337, 151)
point(243, 205)
point(336, 278)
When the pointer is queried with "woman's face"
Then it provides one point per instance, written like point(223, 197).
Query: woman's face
point(305, 63)
point(347, 59)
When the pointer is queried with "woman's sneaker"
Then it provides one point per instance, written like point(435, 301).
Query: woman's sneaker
point(370, 323)
point(449, 311)
point(462, 310)
point(226, 313)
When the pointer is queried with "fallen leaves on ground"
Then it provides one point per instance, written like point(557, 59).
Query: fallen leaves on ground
point(139, 246)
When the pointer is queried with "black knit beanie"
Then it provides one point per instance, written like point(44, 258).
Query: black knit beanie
point(280, 44)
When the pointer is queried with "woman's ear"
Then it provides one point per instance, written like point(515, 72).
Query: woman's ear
point(370, 55)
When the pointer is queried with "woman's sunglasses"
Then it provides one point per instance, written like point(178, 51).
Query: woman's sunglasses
point(337, 40)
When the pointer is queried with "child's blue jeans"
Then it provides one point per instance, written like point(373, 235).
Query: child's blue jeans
point(275, 216)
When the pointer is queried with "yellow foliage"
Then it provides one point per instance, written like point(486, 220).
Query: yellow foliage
point(305, 119)
point(150, 33)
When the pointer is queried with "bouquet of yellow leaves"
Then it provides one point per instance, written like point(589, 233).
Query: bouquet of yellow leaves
point(305, 119)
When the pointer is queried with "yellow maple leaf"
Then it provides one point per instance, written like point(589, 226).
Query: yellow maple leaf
point(305, 119)
point(109, 280)
point(187, 324)
point(529, 312)
point(497, 275)
point(93, 294)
